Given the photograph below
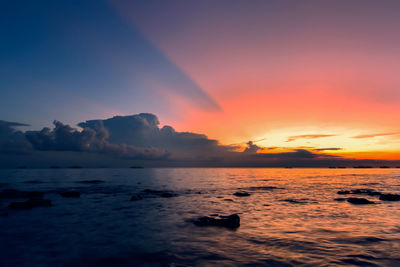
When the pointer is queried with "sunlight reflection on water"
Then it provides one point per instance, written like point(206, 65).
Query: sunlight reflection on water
point(290, 218)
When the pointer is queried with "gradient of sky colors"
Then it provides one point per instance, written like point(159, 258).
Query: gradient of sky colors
point(290, 74)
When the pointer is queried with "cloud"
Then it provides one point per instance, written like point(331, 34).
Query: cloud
point(373, 135)
point(143, 130)
point(308, 136)
point(328, 148)
point(65, 138)
point(296, 154)
point(139, 139)
point(251, 148)
point(13, 141)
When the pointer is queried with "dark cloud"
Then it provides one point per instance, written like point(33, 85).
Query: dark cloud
point(11, 140)
point(65, 138)
point(328, 148)
point(251, 148)
point(143, 130)
point(296, 154)
point(308, 136)
point(373, 135)
point(139, 139)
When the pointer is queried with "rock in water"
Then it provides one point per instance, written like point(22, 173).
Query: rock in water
point(390, 197)
point(241, 194)
point(362, 191)
point(29, 204)
point(356, 200)
point(12, 193)
point(231, 221)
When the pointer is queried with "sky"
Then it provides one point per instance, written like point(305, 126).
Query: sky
point(289, 76)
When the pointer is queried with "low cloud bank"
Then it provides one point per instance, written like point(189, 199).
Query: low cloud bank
point(126, 140)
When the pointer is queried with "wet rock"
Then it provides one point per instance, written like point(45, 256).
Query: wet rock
point(12, 193)
point(91, 181)
point(231, 221)
point(136, 197)
point(168, 195)
point(360, 201)
point(390, 197)
point(70, 194)
point(362, 191)
point(29, 204)
point(241, 194)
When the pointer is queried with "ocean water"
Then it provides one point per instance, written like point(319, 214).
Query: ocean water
point(290, 219)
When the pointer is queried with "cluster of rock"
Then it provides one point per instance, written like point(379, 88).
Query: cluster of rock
point(369, 192)
point(231, 221)
point(34, 199)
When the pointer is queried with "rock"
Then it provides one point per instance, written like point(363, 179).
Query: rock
point(241, 194)
point(340, 199)
point(136, 197)
point(228, 199)
point(362, 191)
point(167, 195)
point(361, 201)
point(29, 204)
point(70, 194)
point(12, 193)
point(231, 221)
point(390, 197)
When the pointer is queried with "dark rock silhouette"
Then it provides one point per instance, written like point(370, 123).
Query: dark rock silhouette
point(231, 221)
point(12, 193)
point(390, 197)
point(168, 194)
point(359, 201)
point(362, 191)
point(340, 199)
point(136, 197)
point(70, 194)
point(241, 194)
point(29, 204)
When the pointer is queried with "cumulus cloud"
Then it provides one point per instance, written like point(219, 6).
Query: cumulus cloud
point(143, 130)
point(139, 138)
point(11, 140)
point(251, 148)
point(65, 138)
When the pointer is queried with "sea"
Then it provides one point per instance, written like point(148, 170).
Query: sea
point(292, 217)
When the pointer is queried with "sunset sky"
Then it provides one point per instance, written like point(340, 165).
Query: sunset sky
point(314, 75)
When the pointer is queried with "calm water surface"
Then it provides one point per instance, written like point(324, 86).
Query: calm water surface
point(290, 219)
